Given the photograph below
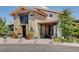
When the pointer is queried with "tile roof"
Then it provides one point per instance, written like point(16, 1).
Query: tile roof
point(49, 21)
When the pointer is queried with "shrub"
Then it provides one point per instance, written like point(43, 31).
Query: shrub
point(30, 34)
point(57, 40)
point(77, 40)
point(69, 40)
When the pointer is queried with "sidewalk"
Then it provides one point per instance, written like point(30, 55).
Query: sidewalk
point(35, 41)
point(24, 41)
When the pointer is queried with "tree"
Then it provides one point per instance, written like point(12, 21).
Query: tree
point(66, 22)
point(76, 30)
point(3, 27)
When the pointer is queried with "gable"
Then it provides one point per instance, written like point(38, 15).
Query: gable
point(19, 9)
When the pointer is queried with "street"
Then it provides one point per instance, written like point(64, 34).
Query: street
point(36, 48)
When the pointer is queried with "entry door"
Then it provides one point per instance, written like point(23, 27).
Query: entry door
point(48, 32)
point(24, 30)
point(45, 31)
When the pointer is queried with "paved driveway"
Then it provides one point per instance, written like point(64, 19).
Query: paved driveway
point(36, 48)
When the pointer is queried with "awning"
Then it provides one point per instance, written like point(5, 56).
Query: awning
point(48, 22)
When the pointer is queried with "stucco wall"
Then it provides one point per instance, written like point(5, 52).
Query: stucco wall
point(33, 22)
point(56, 27)
point(39, 17)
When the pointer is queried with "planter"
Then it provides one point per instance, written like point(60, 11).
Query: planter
point(13, 34)
point(29, 37)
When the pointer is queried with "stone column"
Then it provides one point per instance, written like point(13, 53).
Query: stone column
point(58, 31)
point(51, 31)
point(54, 31)
point(36, 29)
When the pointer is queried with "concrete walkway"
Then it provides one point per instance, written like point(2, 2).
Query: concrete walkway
point(24, 41)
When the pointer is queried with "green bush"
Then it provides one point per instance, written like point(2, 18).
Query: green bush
point(30, 34)
point(77, 40)
point(57, 40)
point(69, 40)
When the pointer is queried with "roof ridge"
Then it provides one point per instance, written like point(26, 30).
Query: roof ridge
point(48, 10)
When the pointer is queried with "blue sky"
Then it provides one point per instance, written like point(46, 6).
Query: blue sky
point(5, 11)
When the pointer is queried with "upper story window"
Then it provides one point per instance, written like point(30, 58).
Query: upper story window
point(31, 17)
point(24, 19)
point(31, 14)
point(51, 15)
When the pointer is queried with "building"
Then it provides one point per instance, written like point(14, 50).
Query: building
point(43, 22)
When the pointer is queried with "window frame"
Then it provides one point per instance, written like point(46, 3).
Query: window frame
point(25, 21)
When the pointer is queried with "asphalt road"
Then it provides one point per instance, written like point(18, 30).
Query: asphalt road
point(36, 48)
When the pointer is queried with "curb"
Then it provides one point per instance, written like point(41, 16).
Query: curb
point(67, 44)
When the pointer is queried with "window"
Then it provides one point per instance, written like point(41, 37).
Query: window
point(32, 29)
point(24, 19)
point(31, 14)
point(51, 15)
point(12, 29)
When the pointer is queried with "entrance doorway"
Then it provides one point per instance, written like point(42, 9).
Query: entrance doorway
point(24, 30)
point(46, 31)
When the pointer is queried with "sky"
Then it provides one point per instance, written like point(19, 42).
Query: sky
point(6, 10)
